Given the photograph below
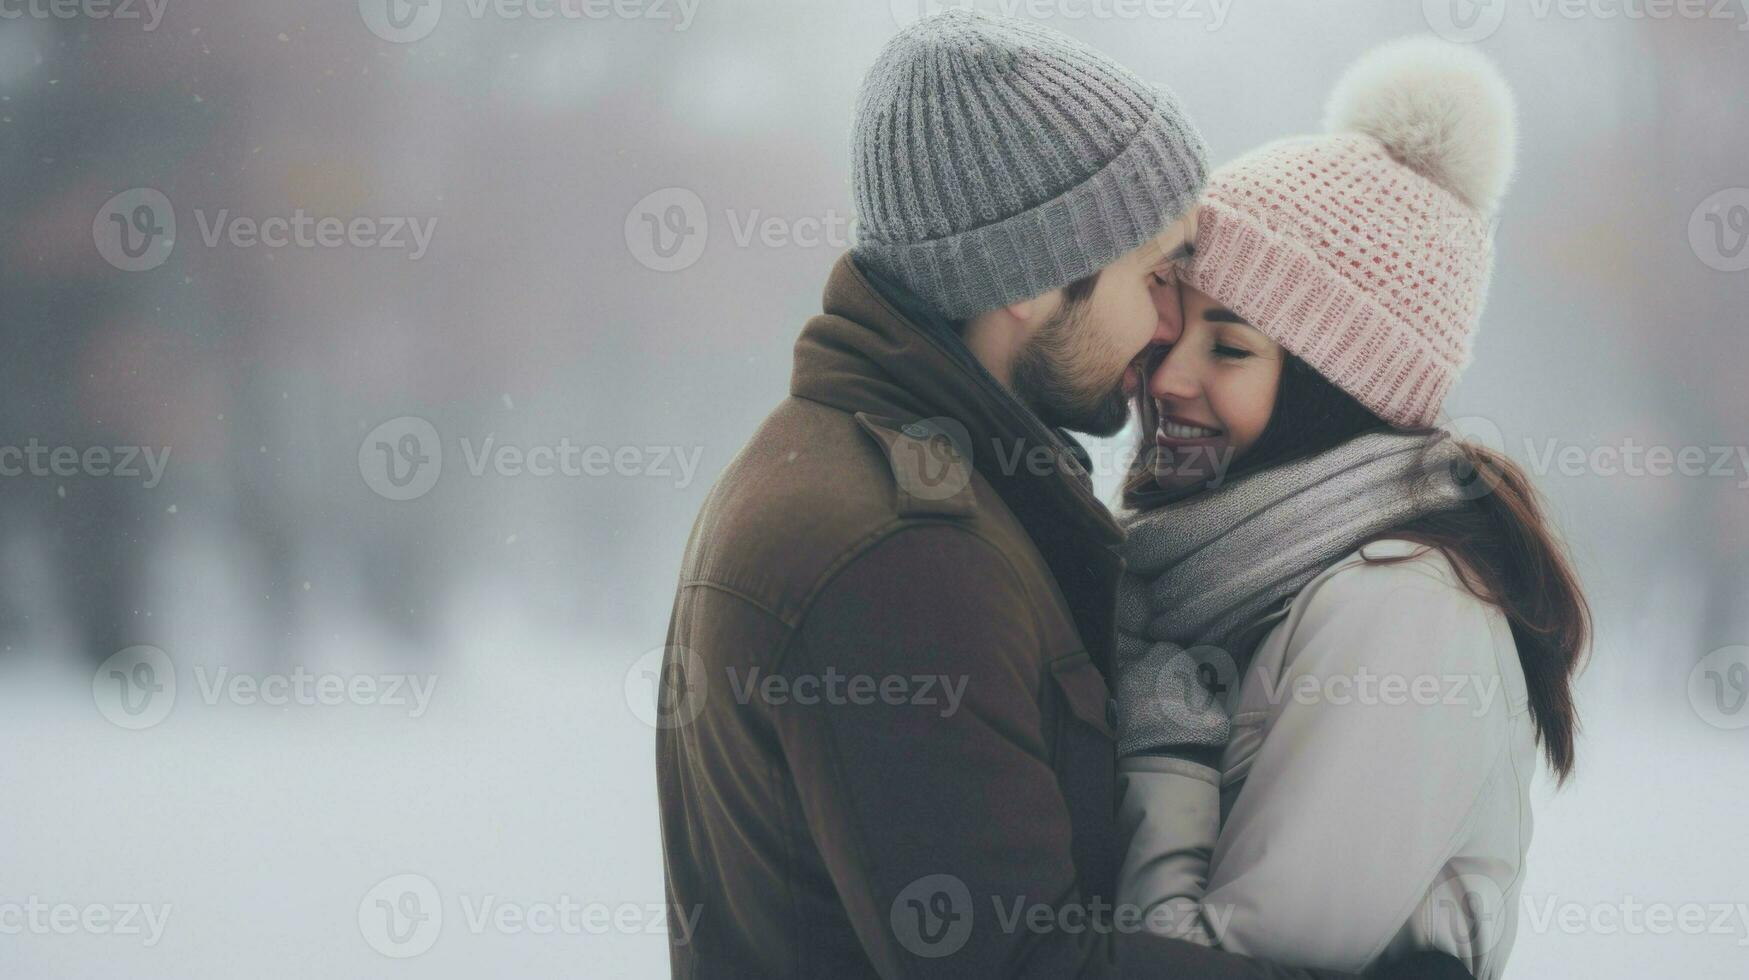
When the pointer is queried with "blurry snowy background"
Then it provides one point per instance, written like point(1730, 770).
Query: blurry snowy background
point(592, 237)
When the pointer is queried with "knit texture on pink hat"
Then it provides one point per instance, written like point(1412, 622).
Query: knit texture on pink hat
point(1367, 253)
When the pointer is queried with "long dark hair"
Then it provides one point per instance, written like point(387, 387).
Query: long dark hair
point(1500, 543)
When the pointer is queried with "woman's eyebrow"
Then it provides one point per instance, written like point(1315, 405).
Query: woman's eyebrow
point(1221, 314)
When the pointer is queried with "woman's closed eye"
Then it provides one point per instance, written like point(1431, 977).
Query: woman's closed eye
point(1157, 353)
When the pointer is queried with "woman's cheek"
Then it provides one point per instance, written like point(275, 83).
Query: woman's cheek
point(1248, 398)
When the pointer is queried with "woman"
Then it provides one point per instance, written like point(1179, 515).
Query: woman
point(1343, 633)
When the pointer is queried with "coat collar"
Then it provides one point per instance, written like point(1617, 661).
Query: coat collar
point(876, 349)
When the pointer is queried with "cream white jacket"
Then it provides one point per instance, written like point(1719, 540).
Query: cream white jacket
point(1374, 797)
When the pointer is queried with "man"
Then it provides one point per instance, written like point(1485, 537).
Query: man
point(887, 747)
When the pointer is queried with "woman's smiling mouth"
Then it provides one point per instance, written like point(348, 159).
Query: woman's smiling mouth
point(1174, 431)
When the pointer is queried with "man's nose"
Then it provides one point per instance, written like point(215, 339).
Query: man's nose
point(1169, 325)
point(1169, 307)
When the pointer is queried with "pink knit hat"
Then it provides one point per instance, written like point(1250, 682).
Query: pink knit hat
point(1367, 252)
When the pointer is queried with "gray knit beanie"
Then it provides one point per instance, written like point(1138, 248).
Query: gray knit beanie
point(994, 160)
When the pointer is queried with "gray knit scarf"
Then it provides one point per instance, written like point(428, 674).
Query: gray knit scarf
point(1205, 575)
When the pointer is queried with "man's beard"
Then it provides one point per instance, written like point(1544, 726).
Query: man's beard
point(1049, 375)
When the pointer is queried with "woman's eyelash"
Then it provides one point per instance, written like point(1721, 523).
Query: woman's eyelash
point(1153, 354)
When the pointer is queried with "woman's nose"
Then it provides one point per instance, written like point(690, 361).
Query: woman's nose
point(1174, 377)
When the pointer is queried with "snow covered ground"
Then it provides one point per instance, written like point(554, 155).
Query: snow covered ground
point(522, 795)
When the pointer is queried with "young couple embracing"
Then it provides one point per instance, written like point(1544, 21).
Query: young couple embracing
point(1278, 716)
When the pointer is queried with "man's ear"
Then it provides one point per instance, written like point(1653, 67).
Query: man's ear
point(1030, 313)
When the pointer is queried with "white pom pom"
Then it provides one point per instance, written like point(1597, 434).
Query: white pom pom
point(1442, 109)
